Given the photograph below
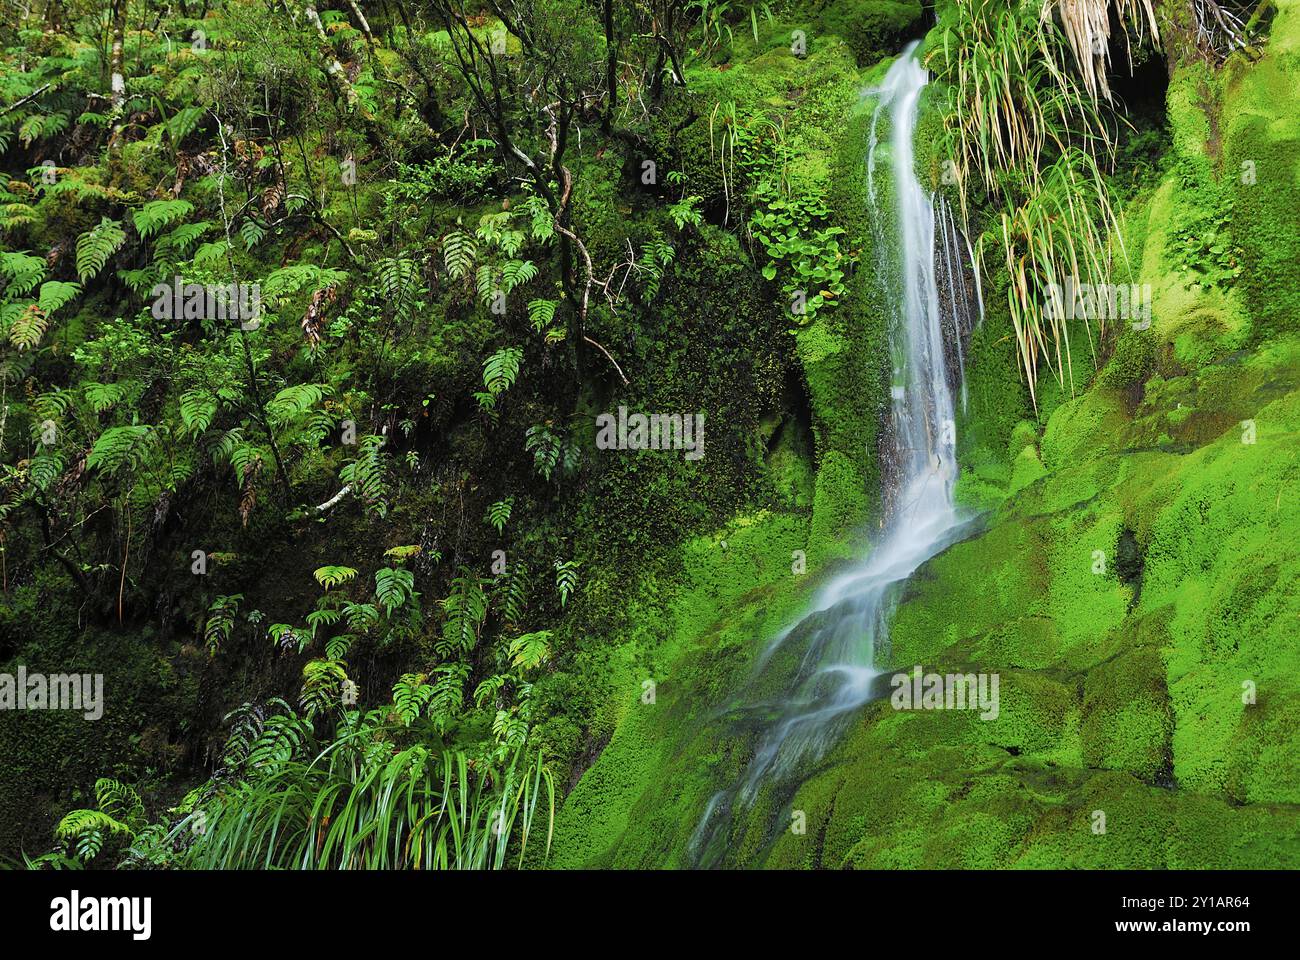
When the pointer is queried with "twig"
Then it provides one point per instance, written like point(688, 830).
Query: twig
point(27, 99)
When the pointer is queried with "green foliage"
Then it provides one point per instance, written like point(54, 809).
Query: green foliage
point(566, 578)
point(221, 621)
point(394, 588)
point(458, 253)
point(808, 255)
point(333, 576)
point(465, 609)
point(96, 246)
point(499, 373)
point(499, 513)
point(156, 214)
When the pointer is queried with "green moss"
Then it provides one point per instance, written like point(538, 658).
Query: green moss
point(873, 28)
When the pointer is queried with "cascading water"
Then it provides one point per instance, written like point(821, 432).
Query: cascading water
point(832, 652)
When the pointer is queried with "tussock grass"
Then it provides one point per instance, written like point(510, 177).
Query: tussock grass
point(1029, 120)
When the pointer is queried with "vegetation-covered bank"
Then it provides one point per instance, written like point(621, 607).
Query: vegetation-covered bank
point(365, 590)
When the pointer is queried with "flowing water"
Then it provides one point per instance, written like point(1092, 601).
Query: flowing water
point(811, 680)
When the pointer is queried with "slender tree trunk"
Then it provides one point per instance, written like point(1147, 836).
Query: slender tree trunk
point(116, 78)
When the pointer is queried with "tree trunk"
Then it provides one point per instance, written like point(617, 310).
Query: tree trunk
point(116, 78)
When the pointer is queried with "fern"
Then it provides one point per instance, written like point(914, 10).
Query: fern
point(300, 276)
point(499, 513)
point(448, 693)
point(501, 369)
point(252, 233)
point(104, 396)
point(282, 739)
point(566, 578)
point(293, 401)
point(156, 214)
point(50, 406)
point(514, 593)
point(394, 587)
point(221, 622)
point(458, 253)
point(399, 282)
point(361, 616)
point(120, 802)
point(406, 552)
point(44, 469)
point(466, 608)
point(322, 686)
point(541, 220)
point(530, 651)
point(28, 328)
point(95, 246)
point(329, 577)
point(57, 293)
point(541, 313)
point(489, 688)
point(411, 695)
point(77, 823)
point(211, 255)
point(197, 410)
point(117, 447)
point(367, 474)
point(22, 272)
point(485, 282)
point(518, 272)
point(337, 646)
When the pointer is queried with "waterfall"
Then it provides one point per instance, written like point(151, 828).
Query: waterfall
point(810, 681)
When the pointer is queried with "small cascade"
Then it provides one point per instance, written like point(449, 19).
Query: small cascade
point(811, 680)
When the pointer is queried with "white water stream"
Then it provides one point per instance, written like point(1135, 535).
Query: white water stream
point(848, 625)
